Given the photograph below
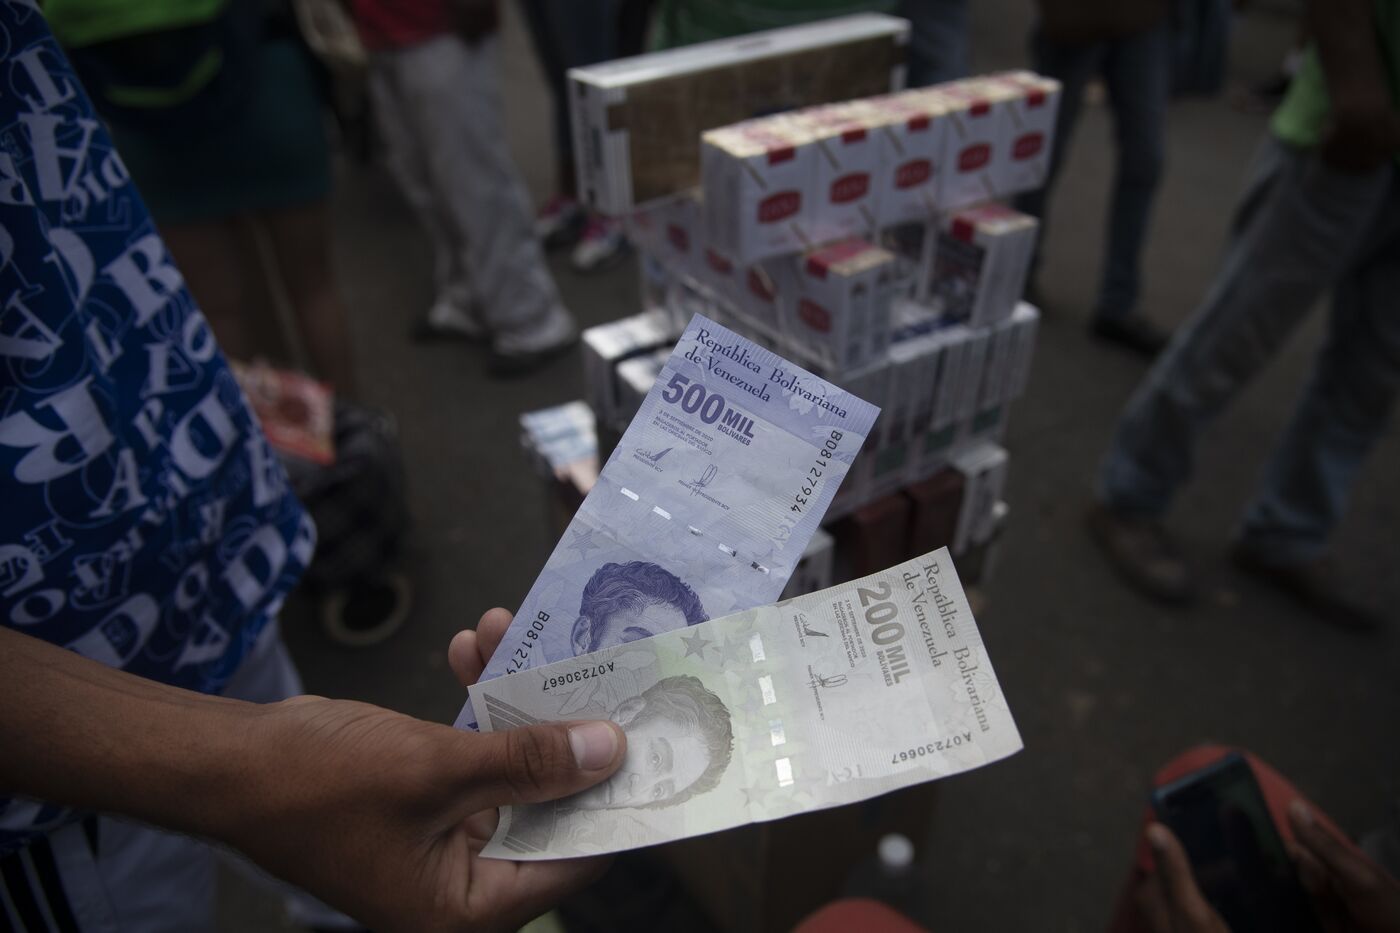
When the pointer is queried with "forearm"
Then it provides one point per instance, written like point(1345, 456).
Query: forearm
point(77, 733)
point(1345, 33)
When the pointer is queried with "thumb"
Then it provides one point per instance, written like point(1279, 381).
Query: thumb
point(543, 762)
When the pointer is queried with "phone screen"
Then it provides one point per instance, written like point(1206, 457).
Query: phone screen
point(1238, 857)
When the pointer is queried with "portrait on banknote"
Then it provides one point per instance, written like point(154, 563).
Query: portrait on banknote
point(680, 738)
point(625, 602)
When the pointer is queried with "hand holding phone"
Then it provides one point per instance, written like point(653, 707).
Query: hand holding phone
point(1238, 861)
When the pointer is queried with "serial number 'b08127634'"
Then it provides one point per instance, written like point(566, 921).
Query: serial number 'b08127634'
point(807, 483)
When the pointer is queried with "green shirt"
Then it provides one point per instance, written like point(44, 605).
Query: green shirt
point(1301, 120)
point(685, 22)
point(78, 23)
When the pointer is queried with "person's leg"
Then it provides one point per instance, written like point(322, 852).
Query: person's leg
point(450, 94)
point(407, 161)
point(1343, 411)
point(301, 243)
point(1074, 66)
point(1298, 226)
point(1137, 73)
point(938, 41)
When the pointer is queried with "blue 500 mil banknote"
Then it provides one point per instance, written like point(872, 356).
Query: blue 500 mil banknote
point(703, 509)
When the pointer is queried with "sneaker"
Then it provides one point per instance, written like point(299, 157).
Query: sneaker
point(1315, 584)
point(1131, 331)
point(603, 243)
point(523, 351)
point(1143, 554)
point(446, 321)
point(560, 222)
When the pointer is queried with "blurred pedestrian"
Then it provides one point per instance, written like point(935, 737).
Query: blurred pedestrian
point(1320, 213)
point(216, 109)
point(1128, 46)
point(570, 34)
point(436, 92)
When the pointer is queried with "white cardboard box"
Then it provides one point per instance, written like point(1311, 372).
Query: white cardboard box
point(636, 120)
point(983, 466)
point(984, 254)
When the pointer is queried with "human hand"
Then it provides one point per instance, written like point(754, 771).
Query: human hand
point(384, 816)
point(475, 20)
point(1169, 899)
point(1352, 893)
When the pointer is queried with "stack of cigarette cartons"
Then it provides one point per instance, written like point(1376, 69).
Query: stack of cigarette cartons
point(636, 120)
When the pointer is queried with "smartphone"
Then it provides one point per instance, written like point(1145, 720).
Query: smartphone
point(1236, 852)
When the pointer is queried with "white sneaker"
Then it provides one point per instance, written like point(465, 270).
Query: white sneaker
point(445, 320)
point(603, 241)
point(520, 351)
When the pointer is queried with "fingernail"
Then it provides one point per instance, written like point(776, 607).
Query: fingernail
point(1301, 813)
point(594, 744)
point(1157, 837)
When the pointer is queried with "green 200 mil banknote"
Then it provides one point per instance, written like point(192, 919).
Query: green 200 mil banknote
point(819, 701)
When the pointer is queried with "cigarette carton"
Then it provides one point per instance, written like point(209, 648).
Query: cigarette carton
point(1025, 321)
point(607, 345)
point(845, 165)
point(979, 271)
point(841, 316)
point(1029, 131)
point(977, 113)
point(759, 182)
point(911, 132)
point(636, 120)
point(891, 441)
point(634, 379)
point(983, 467)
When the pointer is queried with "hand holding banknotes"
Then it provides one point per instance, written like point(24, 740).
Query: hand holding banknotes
point(381, 815)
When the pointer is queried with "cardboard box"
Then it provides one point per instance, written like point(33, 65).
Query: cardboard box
point(759, 179)
point(634, 379)
point(1029, 131)
point(815, 569)
point(1026, 325)
point(607, 345)
point(983, 467)
point(844, 295)
point(636, 120)
point(845, 165)
point(911, 132)
point(984, 254)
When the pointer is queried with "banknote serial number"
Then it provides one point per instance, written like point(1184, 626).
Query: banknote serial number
point(521, 655)
point(932, 748)
point(578, 676)
point(807, 484)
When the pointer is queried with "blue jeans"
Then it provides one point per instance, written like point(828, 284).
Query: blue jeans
point(1300, 230)
point(1137, 72)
